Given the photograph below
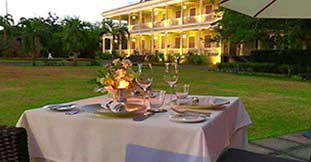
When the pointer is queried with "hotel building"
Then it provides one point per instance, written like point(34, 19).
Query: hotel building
point(168, 27)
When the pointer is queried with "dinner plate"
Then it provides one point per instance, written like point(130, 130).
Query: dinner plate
point(60, 107)
point(217, 104)
point(187, 118)
point(101, 110)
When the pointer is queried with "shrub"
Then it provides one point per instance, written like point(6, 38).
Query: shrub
point(288, 57)
point(255, 68)
point(196, 59)
point(103, 56)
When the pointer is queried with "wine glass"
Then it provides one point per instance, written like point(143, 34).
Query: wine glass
point(144, 78)
point(171, 76)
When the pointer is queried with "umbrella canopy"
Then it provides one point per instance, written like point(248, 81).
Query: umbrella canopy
point(281, 9)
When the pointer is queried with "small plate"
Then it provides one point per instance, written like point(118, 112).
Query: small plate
point(60, 107)
point(187, 118)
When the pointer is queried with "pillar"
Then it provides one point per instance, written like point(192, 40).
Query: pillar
point(181, 43)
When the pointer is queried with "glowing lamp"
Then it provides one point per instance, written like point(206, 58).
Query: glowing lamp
point(133, 40)
point(184, 7)
point(123, 84)
point(184, 36)
point(133, 17)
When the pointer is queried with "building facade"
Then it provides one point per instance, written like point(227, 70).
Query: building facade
point(168, 27)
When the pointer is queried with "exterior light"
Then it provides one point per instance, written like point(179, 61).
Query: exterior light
point(184, 7)
point(156, 13)
point(155, 38)
point(133, 40)
point(133, 17)
point(184, 36)
point(115, 41)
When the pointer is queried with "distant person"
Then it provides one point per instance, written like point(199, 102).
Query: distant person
point(50, 57)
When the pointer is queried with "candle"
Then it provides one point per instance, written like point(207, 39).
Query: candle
point(123, 84)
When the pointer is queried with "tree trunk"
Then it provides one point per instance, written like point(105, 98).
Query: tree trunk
point(113, 50)
point(34, 53)
point(75, 59)
point(34, 56)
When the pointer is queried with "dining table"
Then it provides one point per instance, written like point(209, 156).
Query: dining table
point(89, 137)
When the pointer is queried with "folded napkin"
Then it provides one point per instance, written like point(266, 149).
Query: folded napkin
point(202, 103)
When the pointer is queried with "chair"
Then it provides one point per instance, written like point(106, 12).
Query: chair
point(236, 155)
point(13, 144)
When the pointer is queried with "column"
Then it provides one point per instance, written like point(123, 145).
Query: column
point(140, 19)
point(129, 45)
point(166, 39)
point(152, 44)
point(152, 18)
point(104, 44)
point(182, 12)
point(166, 15)
point(199, 42)
point(140, 44)
point(120, 40)
point(129, 21)
point(200, 11)
point(181, 43)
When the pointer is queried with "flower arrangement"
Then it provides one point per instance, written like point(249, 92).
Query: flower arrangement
point(118, 75)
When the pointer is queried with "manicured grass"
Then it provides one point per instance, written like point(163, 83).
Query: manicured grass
point(276, 105)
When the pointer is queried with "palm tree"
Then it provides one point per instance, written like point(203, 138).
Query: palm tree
point(74, 36)
point(117, 31)
point(7, 23)
point(34, 30)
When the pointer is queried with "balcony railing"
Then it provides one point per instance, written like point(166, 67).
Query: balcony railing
point(209, 17)
point(190, 19)
point(146, 25)
point(158, 24)
point(174, 22)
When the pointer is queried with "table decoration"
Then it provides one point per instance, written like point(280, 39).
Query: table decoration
point(117, 79)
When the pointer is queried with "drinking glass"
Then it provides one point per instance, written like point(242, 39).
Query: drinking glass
point(144, 78)
point(182, 91)
point(157, 99)
point(171, 76)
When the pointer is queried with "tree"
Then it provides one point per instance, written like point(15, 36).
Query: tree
point(117, 31)
point(7, 23)
point(74, 36)
point(34, 30)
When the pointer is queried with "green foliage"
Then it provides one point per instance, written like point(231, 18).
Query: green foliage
point(196, 59)
point(255, 68)
point(103, 56)
point(281, 33)
point(39, 36)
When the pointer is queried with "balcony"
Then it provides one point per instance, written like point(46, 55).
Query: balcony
point(159, 24)
point(175, 22)
point(191, 20)
point(209, 17)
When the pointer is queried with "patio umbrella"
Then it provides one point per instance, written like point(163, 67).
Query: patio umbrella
point(280, 9)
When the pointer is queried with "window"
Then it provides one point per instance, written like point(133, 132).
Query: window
point(124, 43)
point(208, 9)
point(143, 42)
point(191, 42)
point(178, 14)
point(192, 12)
point(107, 43)
point(177, 42)
point(133, 45)
point(207, 41)
point(163, 42)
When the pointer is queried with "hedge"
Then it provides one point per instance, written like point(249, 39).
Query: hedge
point(300, 58)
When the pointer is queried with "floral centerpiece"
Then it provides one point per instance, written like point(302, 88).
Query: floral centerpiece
point(118, 75)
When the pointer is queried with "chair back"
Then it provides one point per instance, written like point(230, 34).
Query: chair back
point(13, 144)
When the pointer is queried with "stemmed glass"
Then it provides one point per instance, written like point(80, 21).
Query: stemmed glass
point(144, 78)
point(171, 76)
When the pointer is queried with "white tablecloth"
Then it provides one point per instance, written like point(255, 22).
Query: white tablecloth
point(88, 138)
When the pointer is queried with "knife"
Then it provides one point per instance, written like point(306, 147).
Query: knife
point(143, 117)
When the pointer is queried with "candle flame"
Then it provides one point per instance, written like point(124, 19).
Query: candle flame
point(123, 84)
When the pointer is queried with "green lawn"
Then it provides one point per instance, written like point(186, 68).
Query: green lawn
point(276, 105)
